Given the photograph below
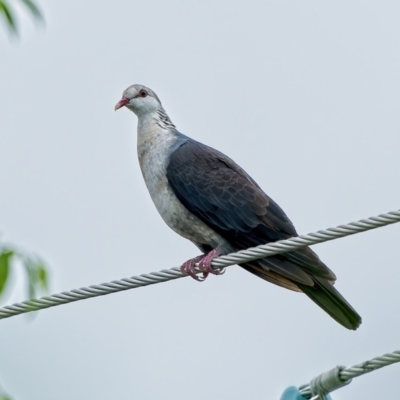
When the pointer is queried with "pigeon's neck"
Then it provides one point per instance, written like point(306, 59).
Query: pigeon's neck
point(162, 120)
point(153, 129)
point(155, 119)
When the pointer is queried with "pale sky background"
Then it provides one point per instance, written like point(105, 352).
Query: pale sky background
point(304, 95)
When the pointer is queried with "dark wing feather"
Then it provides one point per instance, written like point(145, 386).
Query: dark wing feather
point(226, 198)
point(213, 186)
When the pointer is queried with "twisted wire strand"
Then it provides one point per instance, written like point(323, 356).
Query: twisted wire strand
point(165, 275)
point(348, 373)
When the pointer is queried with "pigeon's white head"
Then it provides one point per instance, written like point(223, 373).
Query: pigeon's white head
point(140, 99)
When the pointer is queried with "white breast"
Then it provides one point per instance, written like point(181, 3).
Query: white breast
point(153, 151)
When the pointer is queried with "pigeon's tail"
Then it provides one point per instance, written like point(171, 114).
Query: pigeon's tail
point(332, 302)
point(321, 292)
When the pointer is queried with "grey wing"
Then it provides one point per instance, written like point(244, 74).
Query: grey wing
point(227, 199)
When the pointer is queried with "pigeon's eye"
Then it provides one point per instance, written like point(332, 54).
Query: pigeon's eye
point(143, 93)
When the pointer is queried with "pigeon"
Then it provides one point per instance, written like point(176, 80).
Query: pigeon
point(207, 198)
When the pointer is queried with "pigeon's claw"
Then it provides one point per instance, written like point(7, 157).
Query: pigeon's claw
point(205, 263)
point(187, 268)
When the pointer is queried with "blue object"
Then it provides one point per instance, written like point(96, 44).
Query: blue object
point(293, 393)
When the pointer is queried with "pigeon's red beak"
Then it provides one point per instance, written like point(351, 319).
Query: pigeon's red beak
point(121, 103)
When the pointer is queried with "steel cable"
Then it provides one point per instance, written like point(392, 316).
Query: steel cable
point(165, 275)
point(347, 373)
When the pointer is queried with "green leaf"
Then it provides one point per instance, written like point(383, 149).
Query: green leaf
point(42, 276)
point(4, 267)
point(33, 9)
point(6, 11)
point(37, 274)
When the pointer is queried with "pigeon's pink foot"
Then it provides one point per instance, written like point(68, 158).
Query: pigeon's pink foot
point(188, 268)
point(204, 261)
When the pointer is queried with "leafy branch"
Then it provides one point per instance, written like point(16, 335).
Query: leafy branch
point(34, 266)
point(35, 269)
point(9, 14)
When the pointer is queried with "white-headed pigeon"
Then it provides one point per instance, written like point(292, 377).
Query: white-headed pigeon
point(207, 198)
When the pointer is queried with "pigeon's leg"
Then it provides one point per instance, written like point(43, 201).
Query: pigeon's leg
point(205, 263)
point(188, 268)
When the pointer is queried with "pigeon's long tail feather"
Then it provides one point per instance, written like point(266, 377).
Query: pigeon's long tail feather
point(332, 302)
point(322, 293)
